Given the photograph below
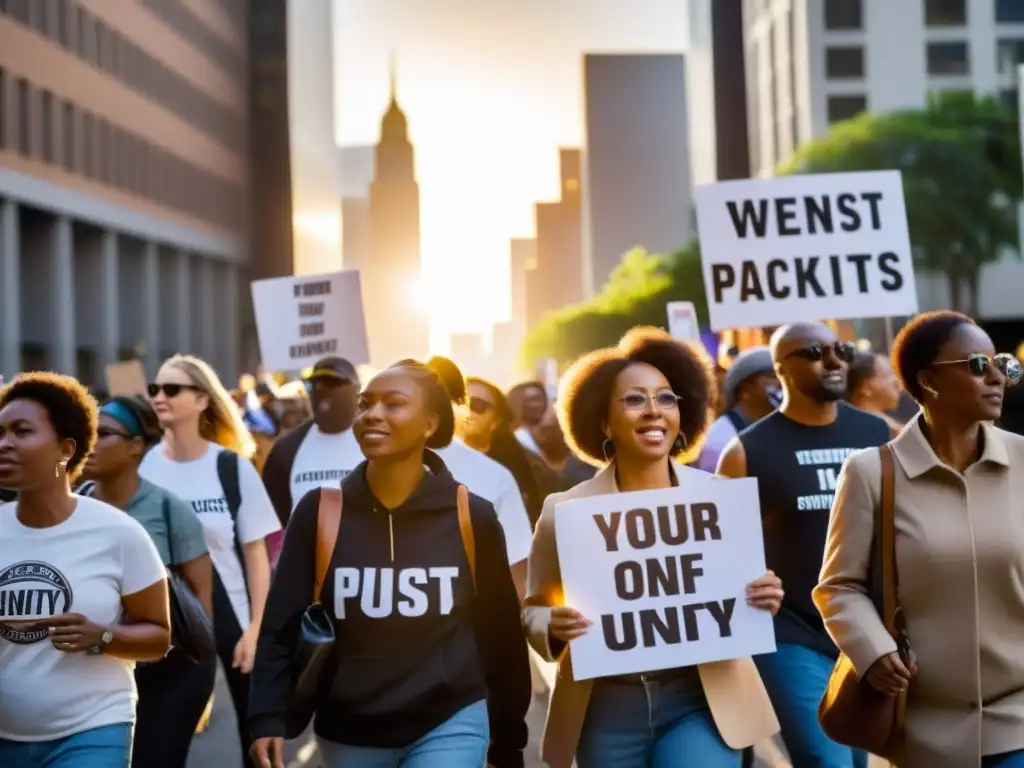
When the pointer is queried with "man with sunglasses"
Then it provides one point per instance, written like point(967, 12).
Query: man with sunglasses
point(309, 456)
point(796, 454)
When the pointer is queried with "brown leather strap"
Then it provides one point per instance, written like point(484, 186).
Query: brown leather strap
point(328, 520)
point(887, 538)
point(466, 531)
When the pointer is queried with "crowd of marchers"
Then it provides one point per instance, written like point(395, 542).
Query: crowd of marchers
point(375, 559)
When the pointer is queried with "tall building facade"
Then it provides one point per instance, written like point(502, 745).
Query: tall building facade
point(392, 279)
point(716, 91)
point(123, 183)
point(357, 170)
point(811, 63)
point(556, 279)
point(637, 179)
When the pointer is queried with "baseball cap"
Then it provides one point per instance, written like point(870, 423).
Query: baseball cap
point(746, 365)
point(333, 368)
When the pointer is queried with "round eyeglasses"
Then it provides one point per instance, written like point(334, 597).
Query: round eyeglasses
point(640, 401)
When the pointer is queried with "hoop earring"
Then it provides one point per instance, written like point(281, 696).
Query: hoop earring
point(930, 391)
point(608, 449)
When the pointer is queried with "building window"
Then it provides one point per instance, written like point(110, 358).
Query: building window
point(945, 13)
point(844, 62)
point(19, 10)
point(1009, 53)
point(68, 130)
point(3, 106)
point(46, 112)
point(946, 59)
point(103, 154)
point(63, 23)
point(40, 10)
point(88, 146)
point(845, 107)
point(1009, 12)
point(23, 111)
point(844, 14)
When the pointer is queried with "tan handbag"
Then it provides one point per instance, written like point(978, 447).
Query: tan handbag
point(852, 712)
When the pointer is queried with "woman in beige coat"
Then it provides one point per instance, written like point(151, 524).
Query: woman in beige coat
point(632, 408)
point(959, 554)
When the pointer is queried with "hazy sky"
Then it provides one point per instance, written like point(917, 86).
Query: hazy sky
point(491, 88)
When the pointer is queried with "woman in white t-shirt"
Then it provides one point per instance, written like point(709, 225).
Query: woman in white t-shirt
point(83, 591)
point(204, 459)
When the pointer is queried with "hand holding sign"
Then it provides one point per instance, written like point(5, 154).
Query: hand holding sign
point(766, 593)
point(568, 623)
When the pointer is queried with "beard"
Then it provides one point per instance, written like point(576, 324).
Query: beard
point(827, 392)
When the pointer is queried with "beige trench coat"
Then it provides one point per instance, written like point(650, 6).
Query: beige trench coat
point(960, 556)
point(736, 696)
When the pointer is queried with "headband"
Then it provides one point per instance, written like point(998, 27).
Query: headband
point(123, 414)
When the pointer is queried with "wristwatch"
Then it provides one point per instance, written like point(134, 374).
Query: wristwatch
point(105, 639)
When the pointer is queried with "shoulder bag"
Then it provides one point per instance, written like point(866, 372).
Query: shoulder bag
point(852, 712)
point(316, 629)
point(191, 627)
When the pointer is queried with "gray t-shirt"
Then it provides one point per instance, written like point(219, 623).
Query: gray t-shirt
point(170, 522)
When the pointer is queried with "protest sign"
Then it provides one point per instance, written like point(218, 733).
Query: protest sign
point(126, 379)
point(301, 319)
point(797, 248)
point(663, 575)
point(682, 321)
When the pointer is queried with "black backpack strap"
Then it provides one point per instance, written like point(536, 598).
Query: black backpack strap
point(227, 474)
point(737, 421)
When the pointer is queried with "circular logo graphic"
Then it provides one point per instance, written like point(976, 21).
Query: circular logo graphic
point(30, 593)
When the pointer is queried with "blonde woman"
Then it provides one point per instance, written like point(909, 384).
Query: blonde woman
point(204, 459)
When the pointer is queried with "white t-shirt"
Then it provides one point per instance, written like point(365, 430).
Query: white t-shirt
point(197, 483)
point(83, 565)
point(480, 473)
point(316, 462)
point(525, 438)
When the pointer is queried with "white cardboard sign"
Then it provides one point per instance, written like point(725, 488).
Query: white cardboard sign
point(796, 248)
point(302, 318)
point(682, 320)
point(663, 575)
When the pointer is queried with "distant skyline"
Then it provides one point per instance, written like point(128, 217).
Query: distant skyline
point(491, 90)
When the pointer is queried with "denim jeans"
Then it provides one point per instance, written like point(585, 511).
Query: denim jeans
point(652, 725)
point(459, 742)
point(1013, 759)
point(796, 678)
point(109, 746)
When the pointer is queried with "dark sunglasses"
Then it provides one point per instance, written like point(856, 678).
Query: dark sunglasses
point(978, 364)
point(843, 350)
point(480, 406)
point(639, 401)
point(171, 390)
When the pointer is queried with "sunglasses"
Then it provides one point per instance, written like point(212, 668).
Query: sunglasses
point(480, 406)
point(978, 364)
point(639, 401)
point(843, 350)
point(171, 390)
point(103, 433)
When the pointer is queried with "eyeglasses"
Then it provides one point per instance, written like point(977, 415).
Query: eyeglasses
point(640, 401)
point(103, 433)
point(843, 350)
point(978, 364)
point(171, 390)
point(479, 406)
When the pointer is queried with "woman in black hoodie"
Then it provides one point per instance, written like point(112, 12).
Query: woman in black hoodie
point(429, 668)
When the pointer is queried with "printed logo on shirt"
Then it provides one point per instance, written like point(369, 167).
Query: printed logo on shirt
point(826, 462)
point(211, 506)
point(30, 592)
point(320, 477)
point(382, 592)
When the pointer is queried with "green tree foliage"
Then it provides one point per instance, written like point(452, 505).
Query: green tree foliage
point(636, 294)
point(961, 165)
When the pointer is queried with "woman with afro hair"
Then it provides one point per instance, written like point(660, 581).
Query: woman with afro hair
point(633, 410)
point(83, 591)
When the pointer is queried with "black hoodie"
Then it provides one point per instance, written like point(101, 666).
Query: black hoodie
point(413, 646)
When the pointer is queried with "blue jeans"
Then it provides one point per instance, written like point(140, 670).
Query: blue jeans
point(1004, 760)
point(459, 742)
point(109, 746)
point(796, 678)
point(652, 725)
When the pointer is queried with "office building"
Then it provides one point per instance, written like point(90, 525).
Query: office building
point(637, 180)
point(716, 91)
point(123, 183)
point(557, 279)
point(397, 323)
point(811, 63)
point(316, 189)
point(357, 169)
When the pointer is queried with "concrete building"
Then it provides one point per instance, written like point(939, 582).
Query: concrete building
point(123, 183)
point(397, 323)
point(637, 179)
point(810, 63)
point(557, 277)
point(716, 91)
point(357, 171)
point(316, 189)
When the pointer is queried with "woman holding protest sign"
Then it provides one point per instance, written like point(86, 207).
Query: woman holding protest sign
point(634, 409)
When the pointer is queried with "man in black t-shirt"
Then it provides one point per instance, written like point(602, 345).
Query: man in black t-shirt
point(796, 454)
